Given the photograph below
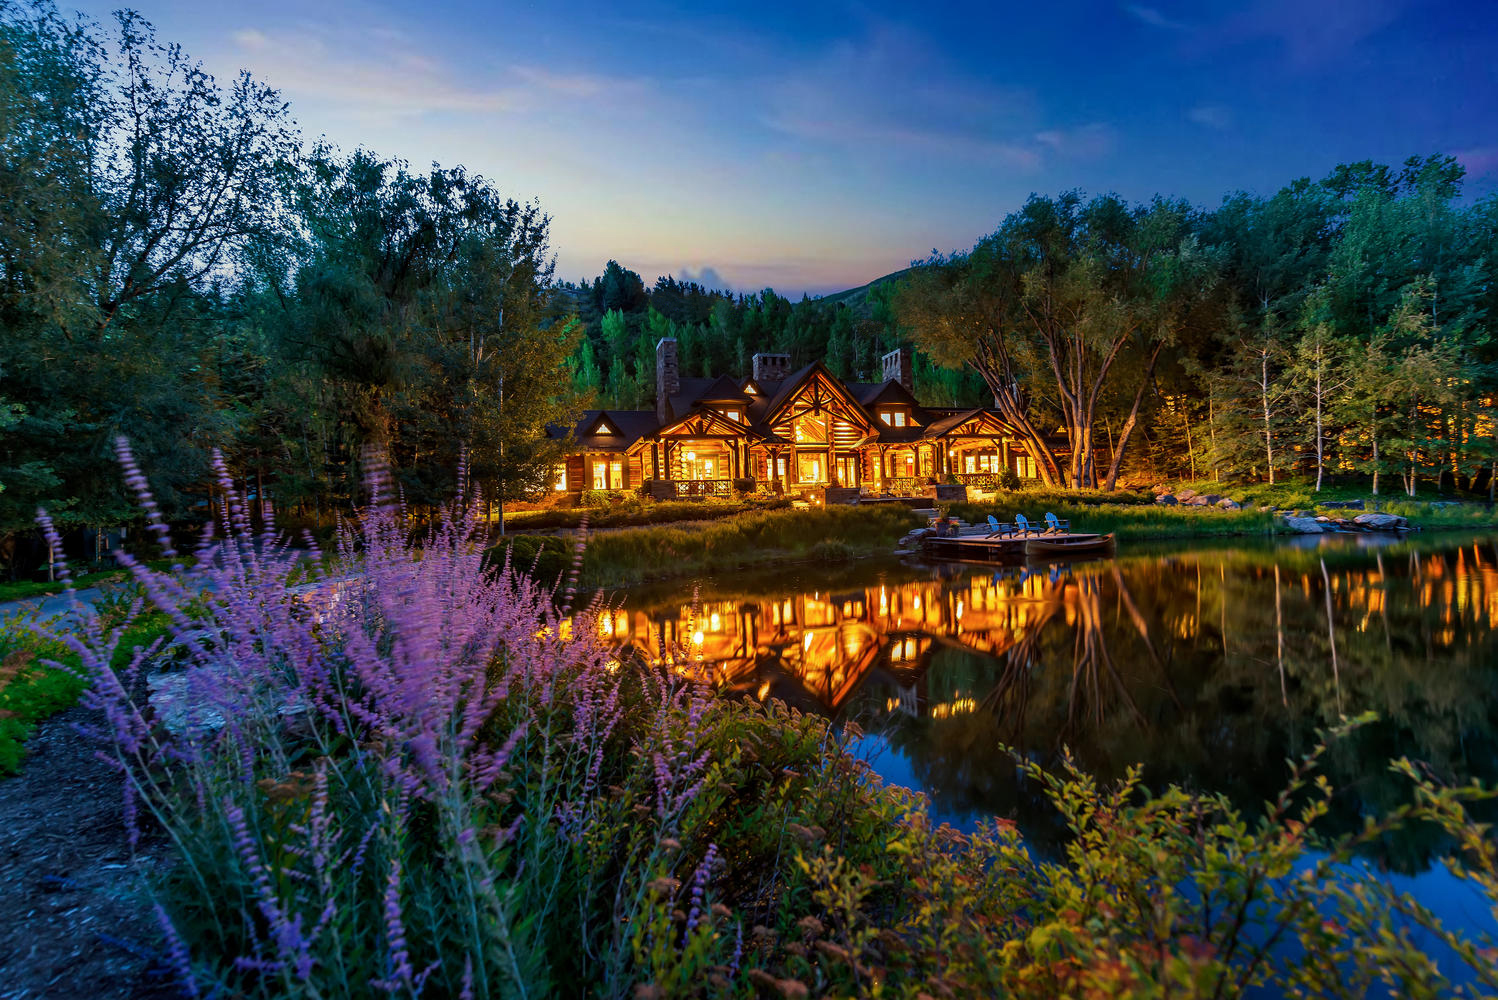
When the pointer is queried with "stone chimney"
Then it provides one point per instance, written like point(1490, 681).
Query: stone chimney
point(899, 367)
point(771, 367)
point(667, 377)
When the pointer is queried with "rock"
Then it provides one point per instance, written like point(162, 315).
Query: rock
point(1266, 509)
point(1304, 525)
point(1167, 500)
point(1381, 522)
point(189, 702)
point(1185, 495)
point(1227, 504)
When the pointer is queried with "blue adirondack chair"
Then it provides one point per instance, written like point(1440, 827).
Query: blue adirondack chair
point(1054, 525)
point(997, 528)
point(1023, 525)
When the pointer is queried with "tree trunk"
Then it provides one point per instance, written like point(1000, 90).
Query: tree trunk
point(1268, 427)
point(1320, 453)
point(1128, 427)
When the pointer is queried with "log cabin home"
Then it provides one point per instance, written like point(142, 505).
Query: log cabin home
point(796, 432)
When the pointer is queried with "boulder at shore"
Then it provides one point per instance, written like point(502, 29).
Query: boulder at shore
point(1304, 525)
point(1381, 522)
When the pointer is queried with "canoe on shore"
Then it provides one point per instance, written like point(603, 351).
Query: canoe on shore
point(1093, 545)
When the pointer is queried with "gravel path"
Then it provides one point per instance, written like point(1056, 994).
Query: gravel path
point(73, 922)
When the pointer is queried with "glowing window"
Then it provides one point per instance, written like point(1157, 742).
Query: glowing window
point(560, 472)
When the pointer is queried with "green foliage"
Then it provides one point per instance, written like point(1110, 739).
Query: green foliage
point(31, 689)
point(622, 558)
point(635, 512)
point(1137, 522)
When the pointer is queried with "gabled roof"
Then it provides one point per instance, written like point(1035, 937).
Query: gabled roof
point(723, 390)
point(885, 392)
point(624, 428)
point(946, 424)
point(708, 418)
point(796, 380)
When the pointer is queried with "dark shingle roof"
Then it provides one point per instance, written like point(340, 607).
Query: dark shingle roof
point(631, 425)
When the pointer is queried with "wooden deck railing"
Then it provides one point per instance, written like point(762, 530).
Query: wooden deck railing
point(906, 486)
point(687, 489)
point(979, 480)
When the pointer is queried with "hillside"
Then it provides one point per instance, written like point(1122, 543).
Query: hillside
point(854, 298)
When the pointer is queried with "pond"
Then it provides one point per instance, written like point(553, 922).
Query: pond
point(1208, 663)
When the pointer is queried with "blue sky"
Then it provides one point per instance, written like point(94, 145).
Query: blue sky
point(812, 147)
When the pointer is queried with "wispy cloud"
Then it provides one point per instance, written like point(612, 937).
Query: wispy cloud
point(885, 95)
point(1480, 161)
point(1310, 32)
point(382, 73)
point(1213, 116)
point(1154, 17)
point(1084, 142)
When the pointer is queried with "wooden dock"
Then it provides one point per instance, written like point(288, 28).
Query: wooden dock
point(980, 547)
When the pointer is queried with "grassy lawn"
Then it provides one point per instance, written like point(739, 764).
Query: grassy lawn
point(20, 590)
point(633, 511)
point(623, 558)
point(1127, 522)
point(30, 690)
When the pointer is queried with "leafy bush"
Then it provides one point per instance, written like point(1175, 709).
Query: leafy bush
point(1126, 522)
point(426, 779)
point(1009, 479)
point(642, 513)
point(32, 688)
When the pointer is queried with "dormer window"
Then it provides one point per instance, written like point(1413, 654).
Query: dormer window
point(895, 418)
point(732, 415)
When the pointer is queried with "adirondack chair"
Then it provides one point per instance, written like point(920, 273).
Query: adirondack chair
point(997, 528)
point(1023, 526)
point(1054, 525)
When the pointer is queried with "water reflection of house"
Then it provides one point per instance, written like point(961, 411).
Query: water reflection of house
point(815, 649)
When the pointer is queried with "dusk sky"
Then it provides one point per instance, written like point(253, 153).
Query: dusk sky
point(813, 147)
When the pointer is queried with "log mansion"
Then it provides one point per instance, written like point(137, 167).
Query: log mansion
point(796, 432)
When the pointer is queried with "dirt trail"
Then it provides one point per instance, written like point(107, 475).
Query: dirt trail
point(73, 923)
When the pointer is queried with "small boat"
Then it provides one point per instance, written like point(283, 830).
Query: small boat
point(1077, 545)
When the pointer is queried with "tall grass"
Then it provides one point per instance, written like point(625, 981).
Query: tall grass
point(623, 558)
point(641, 512)
point(1131, 522)
point(427, 780)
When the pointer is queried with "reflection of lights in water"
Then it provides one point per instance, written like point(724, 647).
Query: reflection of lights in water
point(697, 637)
point(959, 607)
point(883, 603)
point(947, 709)
point(915, 602)
point(806, 641)
point(715, 622)
point(764, 691)
point(892, 704)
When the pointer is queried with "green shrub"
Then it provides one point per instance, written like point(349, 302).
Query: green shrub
point(31, 690)
point(1009, 479)
point(1125, 521)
